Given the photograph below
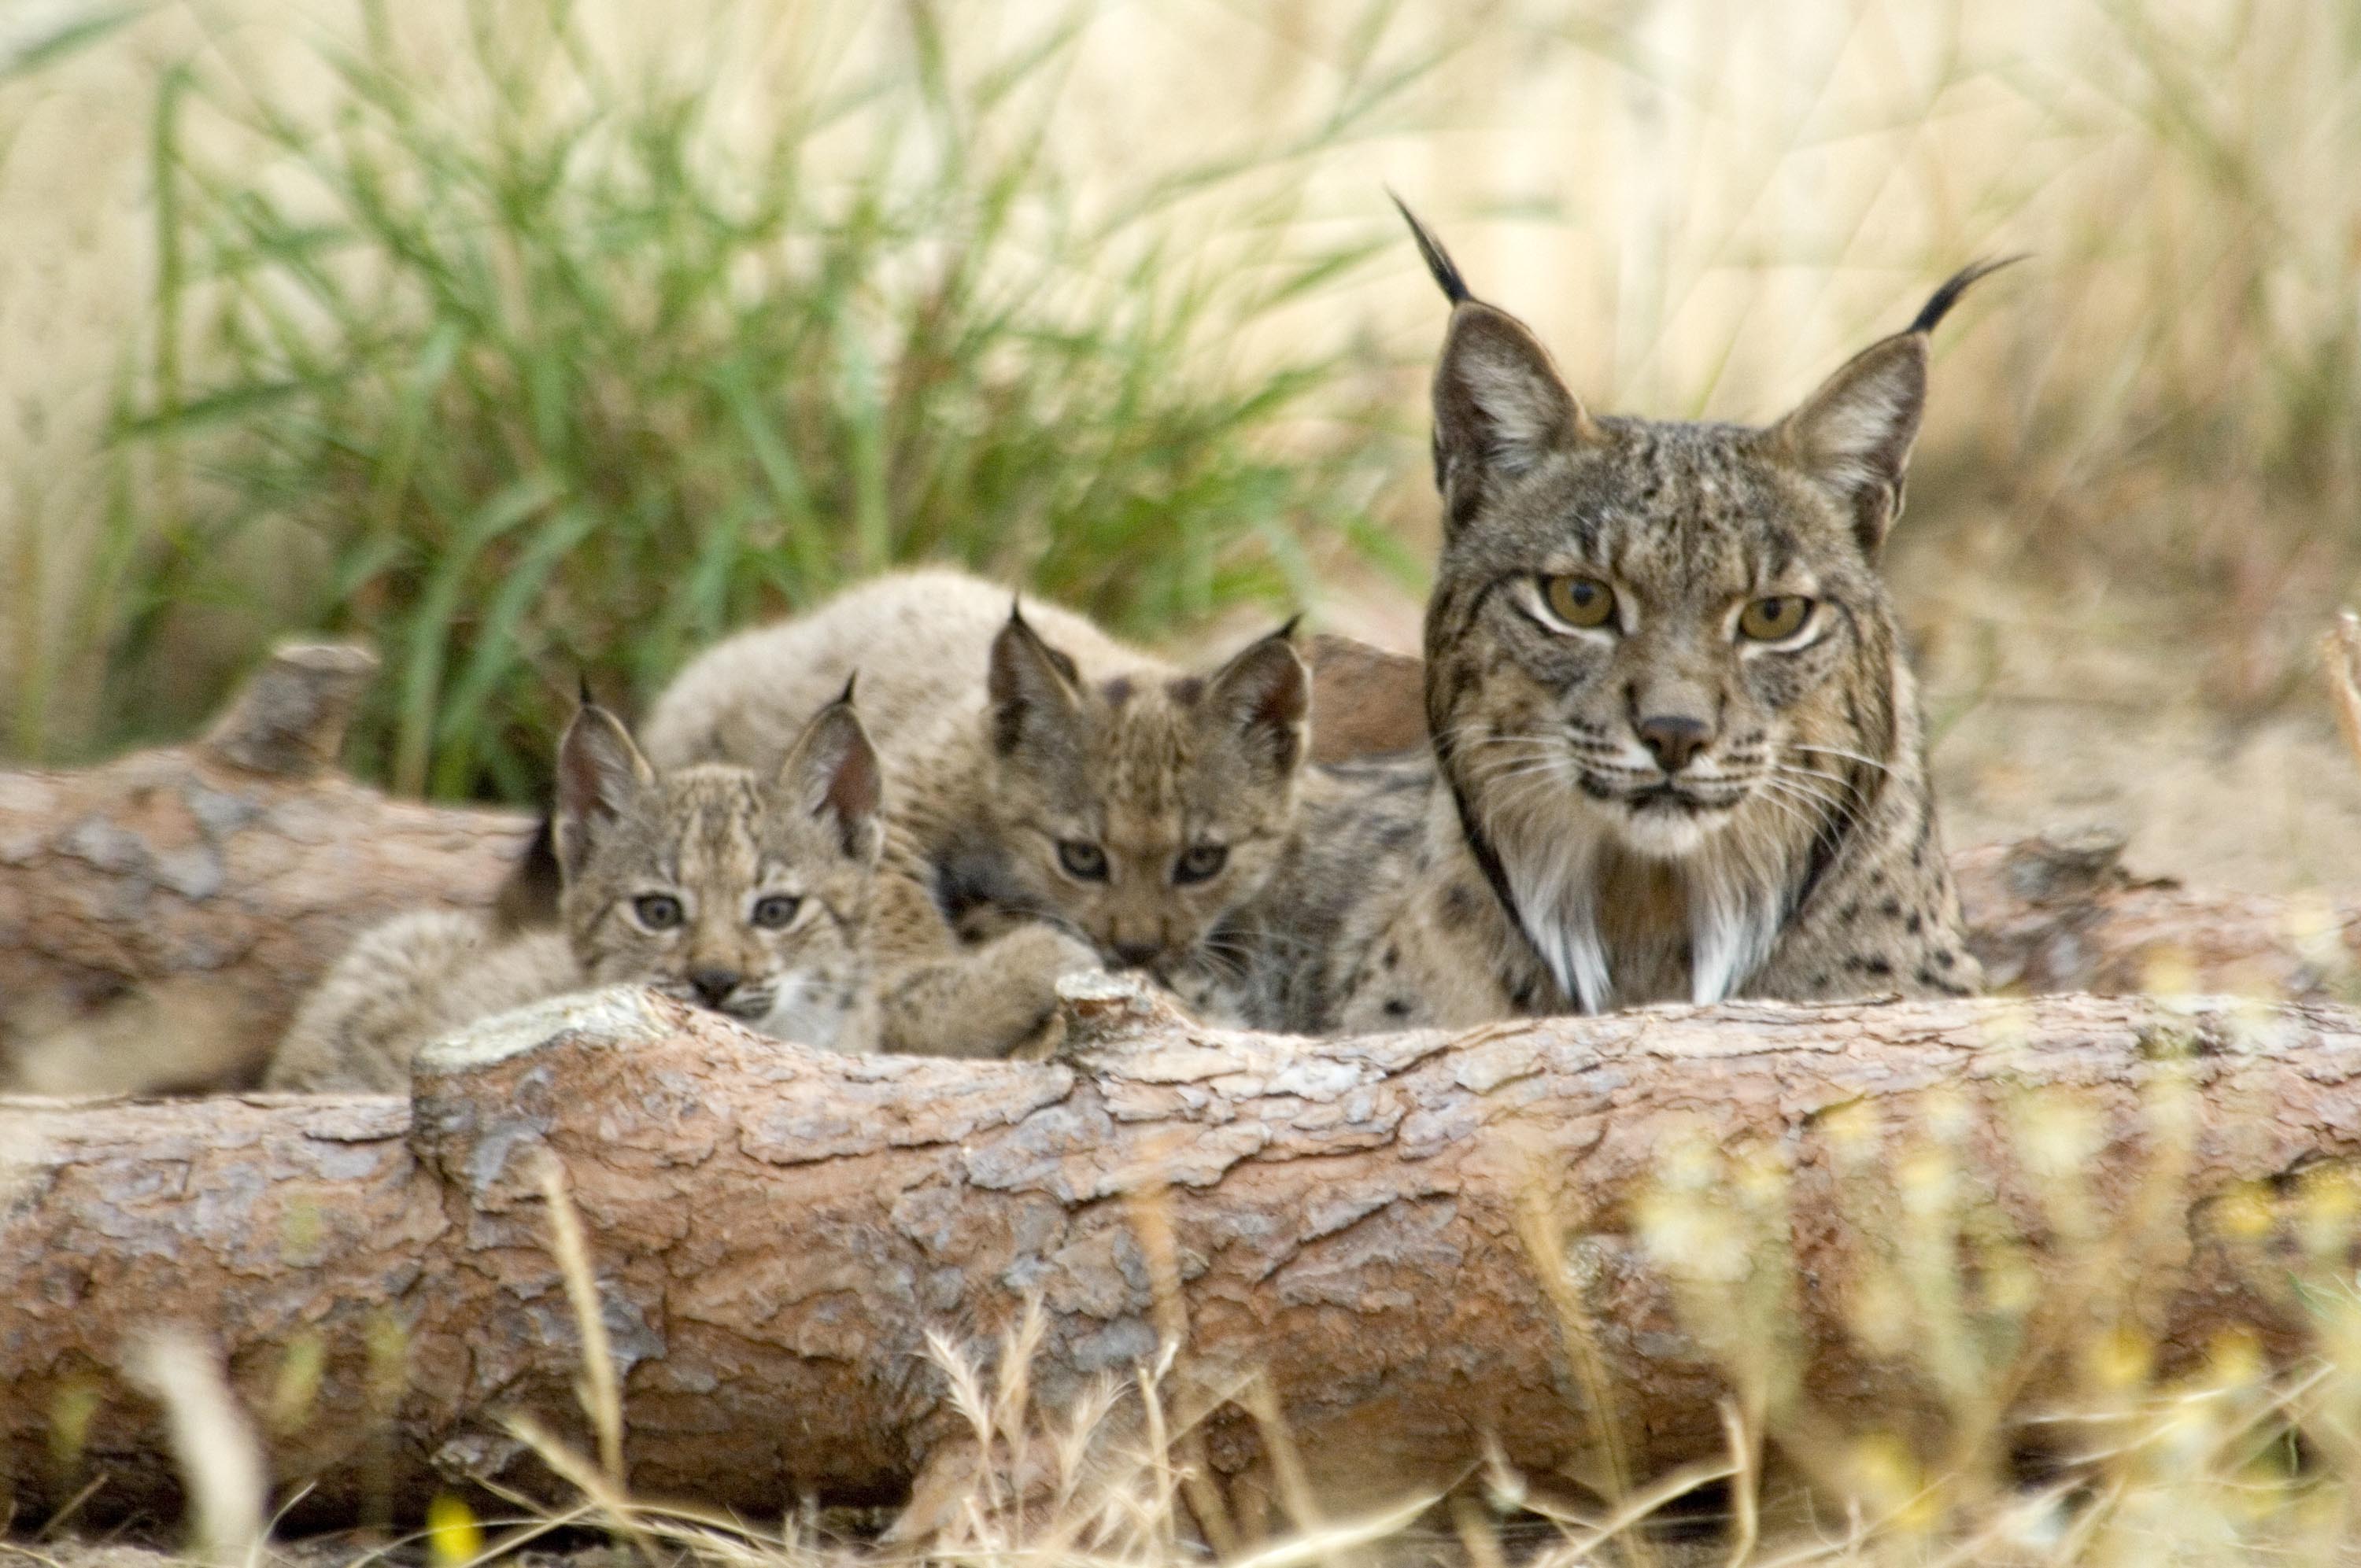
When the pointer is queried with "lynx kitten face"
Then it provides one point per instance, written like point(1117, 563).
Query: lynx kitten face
point(1137, 811)
point(744, 893)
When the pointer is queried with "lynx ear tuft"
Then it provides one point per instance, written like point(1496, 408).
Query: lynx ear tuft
point(1854, 433)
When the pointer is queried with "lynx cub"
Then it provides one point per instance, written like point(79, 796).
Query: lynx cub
point(1676, 747)
point(1059, 799)
point(748, 894)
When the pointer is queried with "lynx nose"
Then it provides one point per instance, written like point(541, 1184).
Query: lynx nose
point(714, 985)
point(1135, 955)
point(1674, 740)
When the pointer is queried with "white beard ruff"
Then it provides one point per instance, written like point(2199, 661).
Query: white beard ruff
point(1734, 919)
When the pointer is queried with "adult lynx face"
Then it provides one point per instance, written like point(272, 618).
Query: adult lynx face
point(1137, 811)
point(743, 893)
point(1664, 674)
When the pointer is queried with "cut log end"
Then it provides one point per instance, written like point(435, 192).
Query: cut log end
point(289, 720)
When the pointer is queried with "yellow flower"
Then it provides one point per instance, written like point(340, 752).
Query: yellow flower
point(453, 1535)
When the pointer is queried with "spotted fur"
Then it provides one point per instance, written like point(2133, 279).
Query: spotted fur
point(1061, 801)
point(748, 894)
point(1656, 808)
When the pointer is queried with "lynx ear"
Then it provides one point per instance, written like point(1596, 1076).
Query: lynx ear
point(600, 773)
point(1500, 405)
point(831, 771)
point(1263, 695)
point(1034, 689)
point(1854, 433)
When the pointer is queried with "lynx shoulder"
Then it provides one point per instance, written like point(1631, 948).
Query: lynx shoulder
point(1061, 801)
point(745, 892)
point(1676, 747)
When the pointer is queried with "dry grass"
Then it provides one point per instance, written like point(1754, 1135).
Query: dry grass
point(2030, 1419)
point(1701, 204)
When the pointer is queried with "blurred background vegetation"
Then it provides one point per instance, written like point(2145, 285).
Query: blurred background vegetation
point(542, 337)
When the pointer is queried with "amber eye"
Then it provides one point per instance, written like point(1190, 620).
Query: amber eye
point(657, 911)
point(773, 911)
point(1086, 862)
point(1769, 619)
point(1200, 862)
point(1579, 602)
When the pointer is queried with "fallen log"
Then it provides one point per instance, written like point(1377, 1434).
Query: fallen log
point(161, 915)
point(1419, 1244)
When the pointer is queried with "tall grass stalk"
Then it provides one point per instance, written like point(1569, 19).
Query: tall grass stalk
point(524, 356)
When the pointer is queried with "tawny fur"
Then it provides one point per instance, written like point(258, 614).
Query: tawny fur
point(1016, 744)
point(1548, 857)
point(746, 893)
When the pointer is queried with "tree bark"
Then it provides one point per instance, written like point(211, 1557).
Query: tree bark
point(1416, 1241)
point(161, 915)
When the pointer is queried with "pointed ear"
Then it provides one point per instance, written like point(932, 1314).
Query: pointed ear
point(600, 773)
point(832, 772)
point(1034, 689)
point(1853, 434)
point(1264, 698)
point(1500, 408)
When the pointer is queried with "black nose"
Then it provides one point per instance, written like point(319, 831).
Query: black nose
point(1672, 740)
point(1133, 955)
point(714, 985)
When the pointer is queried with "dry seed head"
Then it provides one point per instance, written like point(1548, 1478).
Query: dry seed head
point(2326, 1203)
point(2315, 929)
point(1696, 1239)
point(1886, 1476)
point(2234, 1359)
point(1853, 1134)
point(2010, 1285)
point(2245, 1213)
point(298, 1384)
point(1927, 1181)
point(1948, 1116)
point(2059, 1137)
point(2119, 1361)
point(1884, 1318)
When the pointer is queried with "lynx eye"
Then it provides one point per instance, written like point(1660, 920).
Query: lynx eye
point(774, 910)
point(1200, 862)
point(657, 911)
point(1770, 619)
point(1579, 602)
point(1084, 860)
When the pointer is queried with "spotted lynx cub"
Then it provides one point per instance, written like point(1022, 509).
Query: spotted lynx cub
point(1676, 746)
point(748, 894)
point(1060, 800)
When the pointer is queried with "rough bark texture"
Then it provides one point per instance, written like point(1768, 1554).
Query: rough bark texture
point(161, 915)
point(775, 1229)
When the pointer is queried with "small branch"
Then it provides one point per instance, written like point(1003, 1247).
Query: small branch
point(289, 720)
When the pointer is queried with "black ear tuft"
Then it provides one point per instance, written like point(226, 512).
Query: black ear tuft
point(1939, 304)
point(1438, 260)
